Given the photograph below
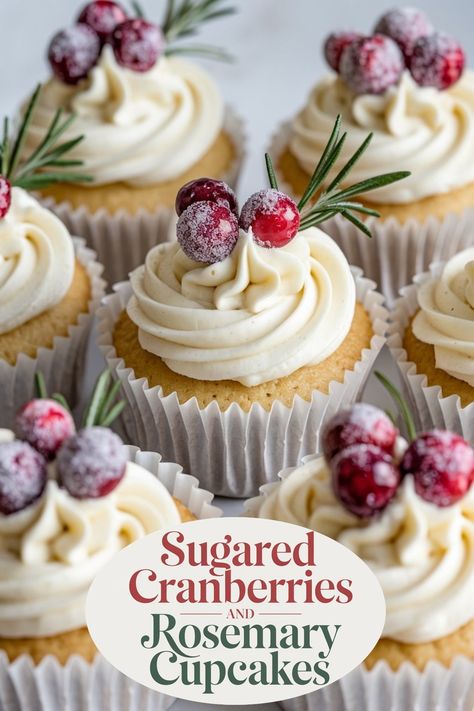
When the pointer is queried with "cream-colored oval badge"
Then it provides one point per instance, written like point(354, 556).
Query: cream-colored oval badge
point(235, 609)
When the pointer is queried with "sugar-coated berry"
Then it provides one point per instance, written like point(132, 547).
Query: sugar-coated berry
point(103, 16)
point(334, 45)
point(359, 424)
point(205, 190)
point(405, 25)
point(138, 44)
point(273, 216)
point(207, 232)
point(44, 424)
point(364, 479)
point(437, 60)
point(370, 65)
point(23, 476)
point(91, 463)
point(73, 53)
point(442, 464)
point(5, 196)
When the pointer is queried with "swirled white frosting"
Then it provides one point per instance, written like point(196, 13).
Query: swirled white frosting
point(422, 555)
point(36, 261)
point(446, 316)
point(139, 128)
point(423, 130)
point(258, 315)
point(50, 552)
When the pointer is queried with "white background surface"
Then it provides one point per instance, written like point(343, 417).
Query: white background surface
point(277, 46)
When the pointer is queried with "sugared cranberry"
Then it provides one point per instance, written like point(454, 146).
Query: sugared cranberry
point(442, 464)
point(334, 46)
point(5, 196)
point(437, 60)
point(206, 190)
point(91, 463)
point(137, 44)
point(72, 53)
point(273, 217)
point(44, 424)
point(359, 424)
point(23, 476)
point(371, 65)
point(207, 232)
point(404, 25)
point(364, 479)
point(103, 16)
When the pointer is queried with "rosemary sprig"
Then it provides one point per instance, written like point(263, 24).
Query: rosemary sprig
point(182, 19)
point(42, 392)
point(103, 409)
point(201, 50)
point(401, 404)
point(137, 8)
point(47, 163)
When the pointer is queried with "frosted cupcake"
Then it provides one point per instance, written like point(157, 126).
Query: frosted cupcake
point(235, 342)
point(432, 338)
point(151, 121)
point(406, 84)
point(407, 511)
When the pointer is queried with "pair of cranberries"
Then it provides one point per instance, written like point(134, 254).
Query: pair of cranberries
point(137, 43)
point(90, 463)
point(209, 221)
point(359, 444)
point(403, 37)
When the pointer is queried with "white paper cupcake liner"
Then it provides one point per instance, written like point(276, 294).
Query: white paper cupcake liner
point(433, 409)
point(122, 241)
point(78, 685)
point(396, 252)
point(63, 364)
point(232, 452)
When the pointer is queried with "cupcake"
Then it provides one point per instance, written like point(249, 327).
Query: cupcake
point(407, 85)
point(407, 511)
point(432, 338)
point(151, 121)
point(70, 500)
point(49, 282)
point(234, 343)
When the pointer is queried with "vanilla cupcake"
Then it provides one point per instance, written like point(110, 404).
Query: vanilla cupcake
point(151, 121)
point(406, 85)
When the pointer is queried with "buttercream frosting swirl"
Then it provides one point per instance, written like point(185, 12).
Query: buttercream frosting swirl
point(420, 129)
point(446, 316)
point(51, 551)
point(36, 261)
point(422, 555)
point(139, 128)
point(258, 315)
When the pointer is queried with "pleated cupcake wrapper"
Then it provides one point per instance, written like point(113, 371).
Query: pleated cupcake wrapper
point(232, 452)
point(432, 408)
point(63, 364)
point(396, 252)
point(437, 688)
point(78, 685)
point(121, 240)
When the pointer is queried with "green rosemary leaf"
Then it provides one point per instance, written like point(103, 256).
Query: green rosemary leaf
point(48, 140)
point(324, 169)
point(323, 207)
point(310, 190)
point(355, 221)
point(113, 414)
point(137, 8)
point(167, 20)
point(271, 172)
point(316, 219)
point(64, 163)
point(378, 181)
point(42, 180)
point(401, 404)
point(40, 385)
point(98, 397)
point(62, 400)
point(108, 402)
point(46, 159)
point(349, 165)
point(22, 133)
point(202, 51)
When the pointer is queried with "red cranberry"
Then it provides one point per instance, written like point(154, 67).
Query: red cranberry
point(335, 44)
point(442, 464)
point(404, 25)
point(137, 44)
point(207, 232)
point(273, 217)
point(364, 479)
point(437, 60)
point(5, 196)
point(23, 476)
point(371, 65)
point(44, 424)
point(360, 424)
point(72, 53)
point(206, 190)
point(103, 16)
point(91, 463)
